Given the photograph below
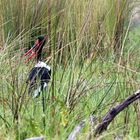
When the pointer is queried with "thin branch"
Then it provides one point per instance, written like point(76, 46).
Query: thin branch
point(35, 138)
point(113, 112)
point(76, 130)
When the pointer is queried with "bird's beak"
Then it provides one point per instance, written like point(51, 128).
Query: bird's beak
point(33, 51)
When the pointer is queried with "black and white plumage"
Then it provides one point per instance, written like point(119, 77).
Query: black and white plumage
point(40, 74)
point(39, 78)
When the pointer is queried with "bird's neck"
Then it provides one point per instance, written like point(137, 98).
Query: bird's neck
point(39, 54)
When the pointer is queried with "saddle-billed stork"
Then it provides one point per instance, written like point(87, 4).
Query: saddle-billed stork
point(40, 74)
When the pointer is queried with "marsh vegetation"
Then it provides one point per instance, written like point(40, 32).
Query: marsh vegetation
point(94, 57)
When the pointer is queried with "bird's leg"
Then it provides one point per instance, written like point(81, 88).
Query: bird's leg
point(43, 104)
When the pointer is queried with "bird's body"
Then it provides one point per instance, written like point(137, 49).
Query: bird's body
point(40, 74)
point(39, 78)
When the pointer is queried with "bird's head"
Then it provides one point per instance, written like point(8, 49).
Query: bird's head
point(36, 49)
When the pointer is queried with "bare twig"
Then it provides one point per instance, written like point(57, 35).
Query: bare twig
point(113, 112)
point(35, 138)
point(91, 121)
point(78, 127)
point(76, 130)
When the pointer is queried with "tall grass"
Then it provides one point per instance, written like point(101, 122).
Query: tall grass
point(86, 25)
point(84, 39)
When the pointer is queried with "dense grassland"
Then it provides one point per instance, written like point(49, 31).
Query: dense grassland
point(94, 56)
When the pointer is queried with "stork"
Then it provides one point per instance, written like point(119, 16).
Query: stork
point(40, 74)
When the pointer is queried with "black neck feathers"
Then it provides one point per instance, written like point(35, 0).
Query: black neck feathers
point(42, 42)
